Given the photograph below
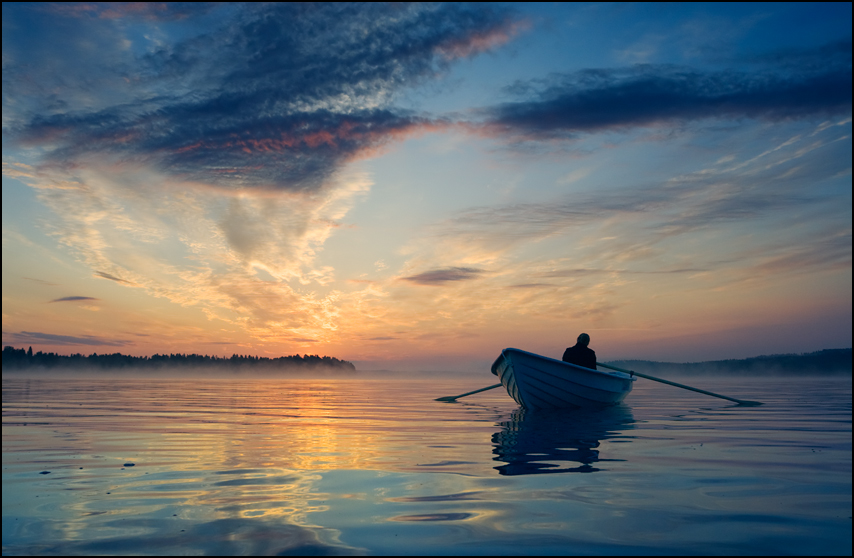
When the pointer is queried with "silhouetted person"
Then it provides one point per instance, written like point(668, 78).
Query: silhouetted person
point(580, 354)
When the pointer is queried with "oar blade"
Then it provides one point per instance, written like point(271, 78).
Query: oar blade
point(750, 403)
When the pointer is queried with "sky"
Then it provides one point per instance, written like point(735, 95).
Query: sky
point(418, 186)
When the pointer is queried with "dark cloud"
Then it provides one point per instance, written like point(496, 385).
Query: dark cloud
point(533, 286)
point(795, 85)
point(278, 97)
point(441, 276)
point(73, 298)
point(51, 339)
point(105, 275)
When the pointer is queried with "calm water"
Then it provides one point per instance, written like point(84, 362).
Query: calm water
point(378, 467)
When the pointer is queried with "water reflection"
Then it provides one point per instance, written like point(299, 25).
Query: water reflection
point(547, 441)
point(377, 467)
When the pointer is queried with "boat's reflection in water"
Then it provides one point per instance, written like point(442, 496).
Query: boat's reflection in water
point(558, 441)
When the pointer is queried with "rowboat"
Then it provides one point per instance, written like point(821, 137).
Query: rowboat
point(538, 382)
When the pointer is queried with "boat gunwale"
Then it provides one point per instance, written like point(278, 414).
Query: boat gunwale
point(576, 367)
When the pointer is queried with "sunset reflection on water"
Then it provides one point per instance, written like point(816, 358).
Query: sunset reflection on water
point(350, 466)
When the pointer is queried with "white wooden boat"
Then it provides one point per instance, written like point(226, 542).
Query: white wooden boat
point(538, 382)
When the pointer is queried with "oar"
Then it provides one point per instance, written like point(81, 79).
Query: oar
point(683, 386)
point(455, 397)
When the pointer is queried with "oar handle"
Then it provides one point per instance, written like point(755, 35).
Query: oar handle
point(683, 386)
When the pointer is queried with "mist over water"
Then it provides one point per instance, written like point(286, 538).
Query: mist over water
point(372, 465)
point(237, 374)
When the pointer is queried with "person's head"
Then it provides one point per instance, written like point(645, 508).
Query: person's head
point(584, 339)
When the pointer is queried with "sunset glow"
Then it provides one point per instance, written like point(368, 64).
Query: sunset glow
point(416, 187)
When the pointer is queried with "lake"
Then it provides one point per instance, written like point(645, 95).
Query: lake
point(376, 466)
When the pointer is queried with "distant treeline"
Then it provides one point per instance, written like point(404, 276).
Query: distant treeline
point(19, 359)
point(828, 361)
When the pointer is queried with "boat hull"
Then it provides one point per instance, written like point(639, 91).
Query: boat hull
point(538, 382)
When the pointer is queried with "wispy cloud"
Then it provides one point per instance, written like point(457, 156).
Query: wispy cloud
point(588, 272)
point(42, 281)
point(246, 260)
point(728, 193)
point(575, 255)
point(148, 11)
point(52, 339)
point(533, 286)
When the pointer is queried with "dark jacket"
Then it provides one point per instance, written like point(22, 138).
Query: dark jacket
point(580, 355)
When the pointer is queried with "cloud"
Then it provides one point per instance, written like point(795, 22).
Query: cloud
point(789, 85)
point(587, 272)
point(277, 98)
point(187, 245)
point(42, 281)
point(105, 275)
point(203, 160)
point(760, 216)
point(149, 11)
point(38, 337)
point(828, 250)
point(441, 276)
point(73, 299)
point(775, 182)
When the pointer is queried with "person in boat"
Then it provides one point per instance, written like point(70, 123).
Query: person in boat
point(580, 353)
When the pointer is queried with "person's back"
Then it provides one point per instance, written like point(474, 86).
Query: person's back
point(580, 354)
